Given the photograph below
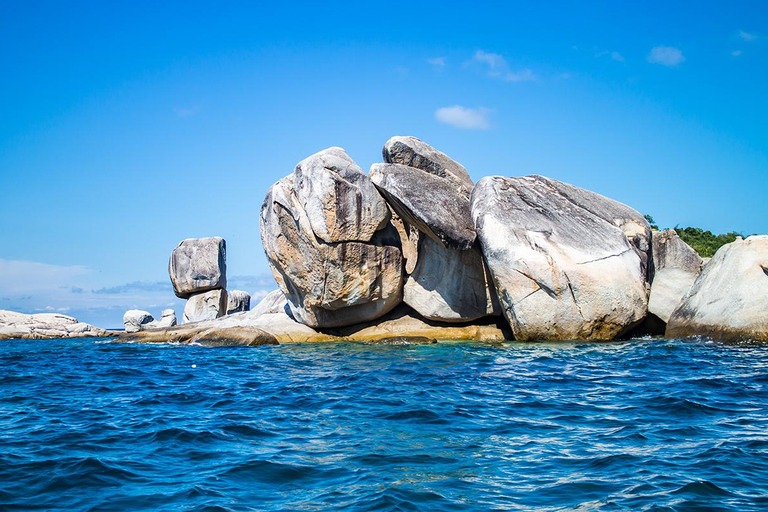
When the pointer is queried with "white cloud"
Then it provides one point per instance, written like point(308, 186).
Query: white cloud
point(736, 53)
point(497, 67)
point(437, 62)
point(666, 56)
point(24, 277)
point(463, 117)
point(747, 36)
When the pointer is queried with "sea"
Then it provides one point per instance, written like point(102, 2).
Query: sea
point(649, 424)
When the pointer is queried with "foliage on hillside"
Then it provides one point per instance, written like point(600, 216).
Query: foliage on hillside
point(703, 242)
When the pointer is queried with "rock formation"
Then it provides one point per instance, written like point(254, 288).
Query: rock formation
point(238, 301)
point(729, 299)
point(45, 325)
point(198, 265)
point(135, 319)
point(168, 319)
point(340, 264)
point(676, 267)
point(205, 306)
point(560, 258)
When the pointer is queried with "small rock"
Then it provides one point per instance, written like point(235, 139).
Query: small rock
point(135, 320)
point(238, 302)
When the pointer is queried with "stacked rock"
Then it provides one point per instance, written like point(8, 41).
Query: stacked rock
point(198, 270)
point(332, 249)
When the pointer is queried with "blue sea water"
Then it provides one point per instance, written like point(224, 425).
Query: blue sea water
point(641, 425)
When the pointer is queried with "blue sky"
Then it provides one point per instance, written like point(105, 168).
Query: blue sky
point(126, 128)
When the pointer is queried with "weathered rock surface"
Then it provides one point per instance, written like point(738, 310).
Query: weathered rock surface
point(560, 258)
point(341, 203)
point(135, 320)
point(450, 285)
point(15, 325)
point(676, 267)
point(238, 301)
point(331, 284)
point(431, 203)
point(205, 306)
point(729, 300)
point(273, 302)
point(198, 265)
point(401, 322)
point(416, 153)
point(168, 319)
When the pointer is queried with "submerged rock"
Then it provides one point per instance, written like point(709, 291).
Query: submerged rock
point(729, 299)
point(238, 301)
point(134, 320)
point(560, 257)
point(198, 265)
point(354, 278)
point(676, 267)
point(205, 306)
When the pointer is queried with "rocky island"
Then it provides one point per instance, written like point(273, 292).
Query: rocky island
point(414, 250)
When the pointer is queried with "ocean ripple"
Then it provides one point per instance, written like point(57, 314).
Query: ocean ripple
point(642, 425)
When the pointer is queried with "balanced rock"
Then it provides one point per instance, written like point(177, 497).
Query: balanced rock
point(729, 299)
point(205, 306)
point(198, 265)
point(676, 267)
point(135, 320)
point(340, 264)
point(433, 204)
point(238, 301)
point(561, 259)
point(413, 152)
point(450, 285)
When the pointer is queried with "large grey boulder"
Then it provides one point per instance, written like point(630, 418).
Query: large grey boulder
point(560, 257)
point(450, 285)
point(341, 203)
point(729, 299)
point(238, 301)
point(205, 306)
point(676, 267)
point(15, 325)
point(198, 265)
point(355, 277)
point(135, 320)
point(431, 203)
point(416, 153)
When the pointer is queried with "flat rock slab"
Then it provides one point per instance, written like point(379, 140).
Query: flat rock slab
point(729, 299)
point(198, 265)
point(561, 271)
point(413, 152)
point(15, 325)
point(430, 203)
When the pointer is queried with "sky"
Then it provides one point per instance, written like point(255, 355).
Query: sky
point(126, 127)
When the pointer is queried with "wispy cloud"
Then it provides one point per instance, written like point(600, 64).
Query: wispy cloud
point(186, 111)
point(747, 36)
point(463, 117)
point(666, 56)
point(497, 67)
point(21, 276)
point(610, 55)
point(437, 62)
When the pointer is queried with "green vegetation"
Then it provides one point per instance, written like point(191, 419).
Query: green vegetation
point(703, 242)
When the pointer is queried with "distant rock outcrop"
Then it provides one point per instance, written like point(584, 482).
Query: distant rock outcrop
point(135, 320)
point(729, 299)
point(567, 263)
point(676, 267)
point(15, 325)
point(328, 238)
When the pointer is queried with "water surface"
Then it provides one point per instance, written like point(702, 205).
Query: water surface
point(643, 425)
